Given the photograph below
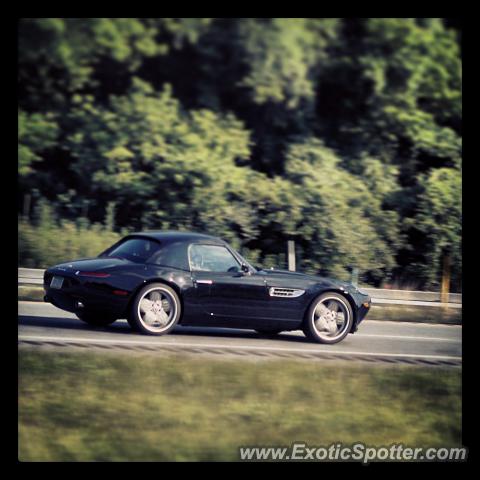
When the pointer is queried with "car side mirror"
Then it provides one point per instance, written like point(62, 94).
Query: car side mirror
point(245, 268)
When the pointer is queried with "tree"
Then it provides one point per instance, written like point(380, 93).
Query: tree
point(60, 57)
point(37, 133)
point(394, 92)
point(332, 132)
point(342, 223)
point(439, 221)
point(150, 155)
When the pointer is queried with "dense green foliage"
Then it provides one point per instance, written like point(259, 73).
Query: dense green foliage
point(342, 134)
point(127, 407)
point(46, 242)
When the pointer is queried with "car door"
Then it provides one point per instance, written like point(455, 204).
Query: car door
point(225, 292)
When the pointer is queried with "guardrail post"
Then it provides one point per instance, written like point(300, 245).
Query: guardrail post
point(291, 255)
point(354, 279)
point(445, 279)
point(26, 205)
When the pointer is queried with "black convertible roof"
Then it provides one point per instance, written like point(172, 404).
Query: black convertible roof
point(166, 236)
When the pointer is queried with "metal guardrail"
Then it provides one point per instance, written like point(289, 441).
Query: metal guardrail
point(33, 276)
point(30, 276)
point(410, 295)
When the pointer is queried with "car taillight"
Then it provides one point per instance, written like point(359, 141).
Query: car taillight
point(120, 292)
point(93, 274)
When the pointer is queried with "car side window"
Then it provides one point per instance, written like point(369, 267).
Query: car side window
point(135, 249)
point(172, 255)
point(212, 258)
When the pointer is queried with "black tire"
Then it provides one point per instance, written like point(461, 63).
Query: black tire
point(96, 319)
point(138, 323)
point(267, 331)
point(309, 328)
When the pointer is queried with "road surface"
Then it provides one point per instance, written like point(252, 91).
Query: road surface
point(376, 341)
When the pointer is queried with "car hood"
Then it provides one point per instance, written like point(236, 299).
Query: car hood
point(295, 278)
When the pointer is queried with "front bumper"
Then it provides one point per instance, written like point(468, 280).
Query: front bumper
point(364, 309)
point(364, 303)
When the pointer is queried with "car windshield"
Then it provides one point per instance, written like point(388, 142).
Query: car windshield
point(135, 249)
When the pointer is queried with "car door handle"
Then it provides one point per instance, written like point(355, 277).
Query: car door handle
point(206, 282)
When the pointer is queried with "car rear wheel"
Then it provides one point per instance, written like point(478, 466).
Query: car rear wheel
point(155, 310)
point(329, 318)
point(95, 319)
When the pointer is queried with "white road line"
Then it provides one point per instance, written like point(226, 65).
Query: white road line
point(409, 337)
point(409, 324)
point(244, 347)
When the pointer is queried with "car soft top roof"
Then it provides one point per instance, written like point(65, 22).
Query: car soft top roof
point(166, 236)
point(174, 246)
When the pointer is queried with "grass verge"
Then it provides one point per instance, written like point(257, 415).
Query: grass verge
point(84, 406)
point(416, 314)
point(31, 294)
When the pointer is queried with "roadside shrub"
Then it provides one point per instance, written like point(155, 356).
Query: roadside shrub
point(46, 240)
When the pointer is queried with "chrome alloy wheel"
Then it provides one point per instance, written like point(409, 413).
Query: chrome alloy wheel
point(330, 318)
point(157, 309)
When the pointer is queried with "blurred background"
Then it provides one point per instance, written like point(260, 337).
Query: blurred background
point(343, 135)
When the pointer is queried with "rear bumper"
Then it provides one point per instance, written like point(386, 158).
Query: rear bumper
point(65, 302)
point(78, 295)
point(77, 303)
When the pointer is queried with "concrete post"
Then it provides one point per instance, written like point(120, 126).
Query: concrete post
point(445, 279)
point(354, 280)
point(26, 205)
point(291, 255)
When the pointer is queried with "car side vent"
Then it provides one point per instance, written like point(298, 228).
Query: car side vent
point(285, 292)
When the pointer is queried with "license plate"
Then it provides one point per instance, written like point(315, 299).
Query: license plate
point(56, 282)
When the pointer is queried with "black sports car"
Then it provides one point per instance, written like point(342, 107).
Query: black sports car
point(159, 279)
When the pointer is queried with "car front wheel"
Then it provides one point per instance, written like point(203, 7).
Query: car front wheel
point(329, 318)
point(155, 310)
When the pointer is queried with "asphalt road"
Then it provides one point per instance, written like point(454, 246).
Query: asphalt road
point(376, 341)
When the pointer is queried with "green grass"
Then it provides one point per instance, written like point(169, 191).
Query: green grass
point(30, 294)
point(416, 314)
point(84, 406)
